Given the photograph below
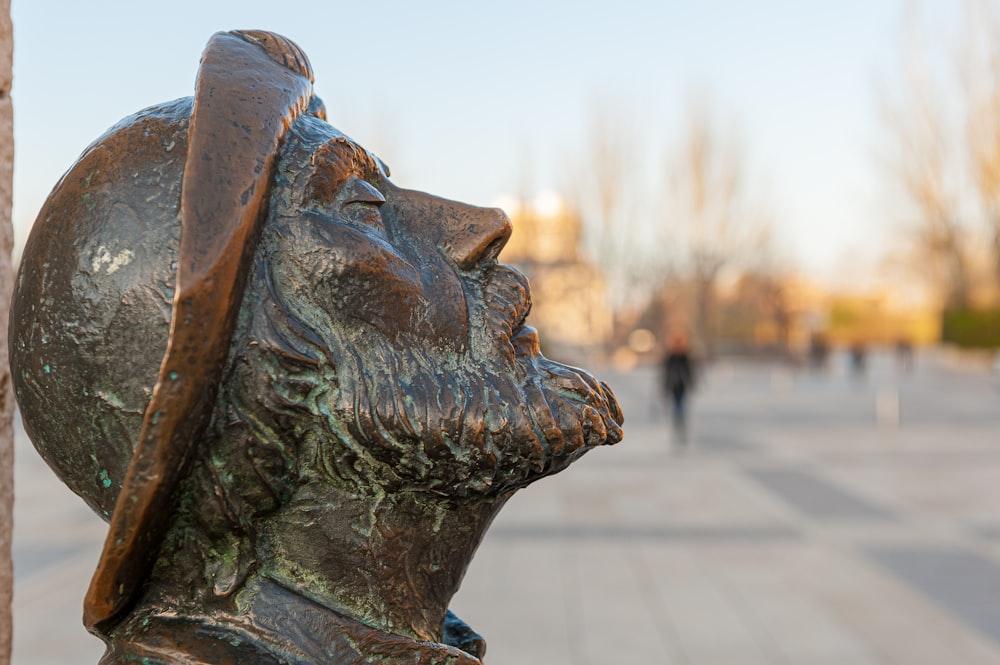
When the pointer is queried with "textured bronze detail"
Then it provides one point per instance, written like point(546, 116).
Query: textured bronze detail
point(298, 392)
point(226, 176)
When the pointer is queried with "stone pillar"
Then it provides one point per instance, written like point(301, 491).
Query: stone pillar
point(6, 283)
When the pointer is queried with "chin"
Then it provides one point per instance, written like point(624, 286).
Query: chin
point(567, 412)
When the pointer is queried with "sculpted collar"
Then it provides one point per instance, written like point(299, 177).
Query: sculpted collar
point(267, 635)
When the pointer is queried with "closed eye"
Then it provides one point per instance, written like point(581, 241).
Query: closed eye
point(359, 205)
point(357, 190)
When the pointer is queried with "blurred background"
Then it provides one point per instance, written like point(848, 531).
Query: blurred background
point(767, 177)
point(808, 192)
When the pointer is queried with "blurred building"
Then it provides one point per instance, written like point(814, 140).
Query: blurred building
point(776, 316)
point(779, 315)
point(878, 317)
point(569, 301)
point(794, 313)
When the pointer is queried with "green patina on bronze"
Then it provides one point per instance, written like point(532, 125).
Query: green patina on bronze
point(298, 392)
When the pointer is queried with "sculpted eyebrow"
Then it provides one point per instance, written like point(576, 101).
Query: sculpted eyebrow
point(334, 163)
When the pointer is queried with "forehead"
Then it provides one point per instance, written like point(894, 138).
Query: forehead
point(332, 163)
point(326, 157)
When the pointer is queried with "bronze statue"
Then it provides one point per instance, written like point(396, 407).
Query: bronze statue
point(298, 393)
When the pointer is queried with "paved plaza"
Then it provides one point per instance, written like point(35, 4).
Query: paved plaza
point(813, 518)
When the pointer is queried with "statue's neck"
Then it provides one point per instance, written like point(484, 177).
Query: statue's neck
point(393, 562)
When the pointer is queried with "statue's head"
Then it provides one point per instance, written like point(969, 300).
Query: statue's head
point(357, 335)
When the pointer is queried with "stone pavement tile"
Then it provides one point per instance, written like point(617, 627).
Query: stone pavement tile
point(697, 611)
point(57, 541)
point(962, 490)
point(536, 504)
point(901, 625)
point(48, 616)
point(609, 607)
point(989, 530)
point(990, 548)
point(816, 497)
point(628, 534)
point(695, 492)
point(514, 595)
point(962, 582)
point(803, 630)
point(723, 442)
point(635, 483)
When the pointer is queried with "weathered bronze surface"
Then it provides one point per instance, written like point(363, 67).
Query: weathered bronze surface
point(298, 393)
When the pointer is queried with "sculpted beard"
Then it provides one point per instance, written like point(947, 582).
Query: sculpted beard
point(401, 415)
point(572, 410)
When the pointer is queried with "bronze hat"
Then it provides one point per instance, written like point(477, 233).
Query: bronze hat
point(152, 230)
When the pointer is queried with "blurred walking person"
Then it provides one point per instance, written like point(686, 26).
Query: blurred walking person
point(678, 381)
point(859, 359)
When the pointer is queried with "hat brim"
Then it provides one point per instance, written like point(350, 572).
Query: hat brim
point(251, 87)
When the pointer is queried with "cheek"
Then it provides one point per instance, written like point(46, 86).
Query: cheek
point(446, 319)
point(351, 278)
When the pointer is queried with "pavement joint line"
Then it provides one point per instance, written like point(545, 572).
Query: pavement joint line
point(617, 533)
point(816, 495)
point(964, 583)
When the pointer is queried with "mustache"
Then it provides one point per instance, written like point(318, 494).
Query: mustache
point(497, 419)
point(506, 297)
point(570, 411)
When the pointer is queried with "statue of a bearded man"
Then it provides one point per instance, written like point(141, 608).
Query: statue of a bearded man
point(298, 393)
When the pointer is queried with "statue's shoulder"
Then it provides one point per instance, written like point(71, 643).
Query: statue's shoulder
point(279, 627)
point(190, 641)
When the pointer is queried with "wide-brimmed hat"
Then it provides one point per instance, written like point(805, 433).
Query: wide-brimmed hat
point(158, 220)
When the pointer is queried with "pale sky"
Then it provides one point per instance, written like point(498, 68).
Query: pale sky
point(459, 97)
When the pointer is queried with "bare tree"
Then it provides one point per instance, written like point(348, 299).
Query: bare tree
point(712, 216)
point(926, 162)
point(673, 239)
point(980, 75)
point(925, 174)
point(610, 194)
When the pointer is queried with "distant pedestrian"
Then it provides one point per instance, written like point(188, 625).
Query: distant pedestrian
point(904, 355)
point(678, 381)
point(858, 355)
point(819, 352)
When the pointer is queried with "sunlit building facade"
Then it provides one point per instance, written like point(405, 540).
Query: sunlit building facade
point(570, 307)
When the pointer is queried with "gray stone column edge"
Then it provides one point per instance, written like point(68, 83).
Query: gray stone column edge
point(6, 283)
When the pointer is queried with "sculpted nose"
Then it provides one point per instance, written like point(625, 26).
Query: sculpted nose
point(474, 235)
point(468, 235)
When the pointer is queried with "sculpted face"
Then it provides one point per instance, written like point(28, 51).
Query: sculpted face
point(419, 361)
point(377, 256)
point(344, 401)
